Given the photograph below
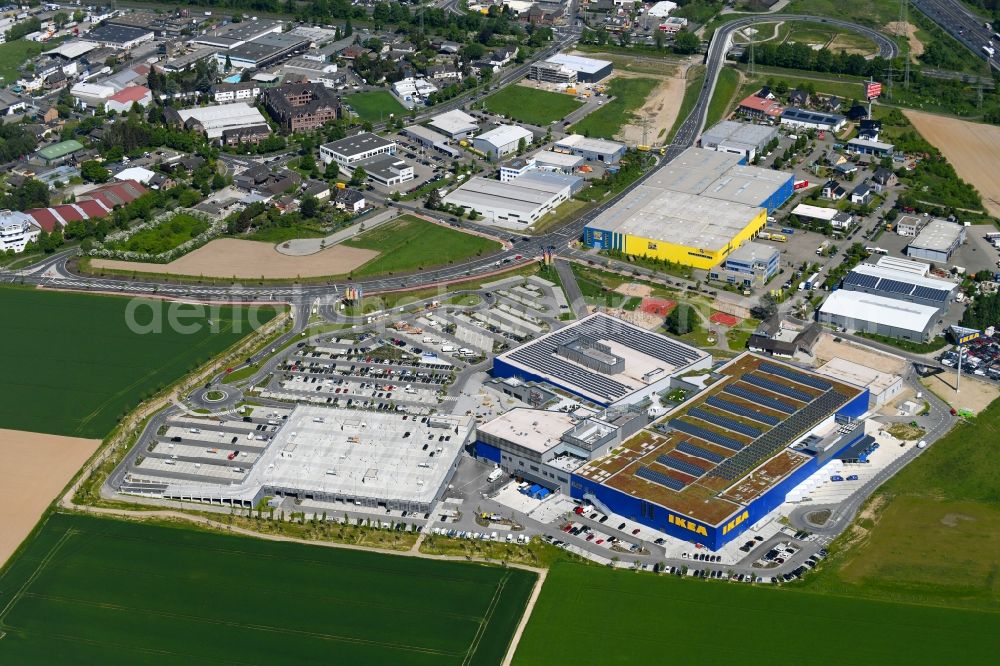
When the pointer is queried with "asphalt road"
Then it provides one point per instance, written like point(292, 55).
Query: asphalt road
point(961, 24)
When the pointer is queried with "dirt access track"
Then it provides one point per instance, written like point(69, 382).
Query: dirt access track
point(36, 468)
point(232, 257)
point(972, 148)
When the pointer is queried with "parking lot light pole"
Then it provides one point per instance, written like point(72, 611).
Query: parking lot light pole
point(958, 380)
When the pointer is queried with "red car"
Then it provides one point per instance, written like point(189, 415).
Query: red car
point(578, 510)
point(568, 527)
point(599, 541)
point(590, 537)
point(635, 531)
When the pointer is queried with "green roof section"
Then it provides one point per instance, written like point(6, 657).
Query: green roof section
point(61, 149)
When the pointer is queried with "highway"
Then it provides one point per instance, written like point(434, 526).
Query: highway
point(961, 24)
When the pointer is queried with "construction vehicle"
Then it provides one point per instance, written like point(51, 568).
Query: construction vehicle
point(642, 148)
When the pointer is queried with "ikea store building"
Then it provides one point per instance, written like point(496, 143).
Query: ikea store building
point(693, 211)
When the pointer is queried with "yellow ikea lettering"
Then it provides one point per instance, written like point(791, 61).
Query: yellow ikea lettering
point(687, 524)
point(735, 522)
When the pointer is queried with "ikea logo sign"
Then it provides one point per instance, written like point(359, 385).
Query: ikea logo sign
point(735, 522)
point(687, 524)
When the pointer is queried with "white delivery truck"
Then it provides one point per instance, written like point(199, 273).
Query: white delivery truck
point(494, 475)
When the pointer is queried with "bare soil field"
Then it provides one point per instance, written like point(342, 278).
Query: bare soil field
point(36, 468)
point(661, 107)
point(634, 289)
point(910, 30)
point(972, 148)
point(975, 395)
point(827, 349)
point(229, 257)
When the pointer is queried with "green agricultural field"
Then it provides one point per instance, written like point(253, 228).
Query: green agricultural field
point(684, 621)
point(97, 591)
point(165, 236)
point(606, 122)
point(532, 106)
point(375, 105)
point(409, 243)
point(931, 534)
point(79, 368)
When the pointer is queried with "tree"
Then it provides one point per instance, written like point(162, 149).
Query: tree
point(433, 200)
point(682, 319)
point(93, 172)
point(521, 146)
point(624, 38)
point(229, 63)
point(348, 28)
point(332, 171)
point(686, 42)
point(359, 176)
point(310, 206)
point(659, 39)
point(766, 308)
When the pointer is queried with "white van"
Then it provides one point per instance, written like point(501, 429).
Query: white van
point(194, 431)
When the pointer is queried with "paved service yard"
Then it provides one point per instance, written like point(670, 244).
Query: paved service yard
point(832, 492)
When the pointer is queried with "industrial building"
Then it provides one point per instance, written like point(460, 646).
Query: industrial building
point(738, 138)
point(750, 265)
point(120, 37)
point(502, 140)
point(817, 120)
point(215, 121)
point(323, 454)
point(901, 284)
point(882, 387)
point(871, 313)
point(706, 470)
point(910, 225)
point(602, 359)
point(370, 152)
point(325, 73)
point(231, 35)
point(264, 51)
point(57, 153)
point(870, 147)
point(550, 72)
point(588, 70)
point(428, 138)
point(595, 150)
point(937, 241)
point(516, 204)
point(454, 124)
point(694, 211)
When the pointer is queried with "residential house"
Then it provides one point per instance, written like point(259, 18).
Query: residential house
point(869, 129)
point(798, 97)
point(856, 113)
point(834, 104)
point(862, 194)
point(883, 179)
point(833, 190)
point(262, 180)
point(348, 199)
point(846, 168)
point(315, 188)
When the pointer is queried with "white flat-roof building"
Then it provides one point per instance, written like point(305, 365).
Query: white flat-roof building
point(215, 120)
point(597, 150)
point(410, 91)
point(743, 139)
point(588, 70)
point(372, 153)
point(502, 141)
point(16, 230)
point(936, 241)
point(871, 313)
point(454, 124)
point(516, 204)
point(882, 386)
point(91, 94)
point(662, 9)
point(139, 174)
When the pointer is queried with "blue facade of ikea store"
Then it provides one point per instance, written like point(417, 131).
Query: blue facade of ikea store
point(711, 536)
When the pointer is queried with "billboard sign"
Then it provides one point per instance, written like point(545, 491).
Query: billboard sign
point(873, 89)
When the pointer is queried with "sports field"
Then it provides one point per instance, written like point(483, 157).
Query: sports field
point(96, 591)
point(531, 105)
point(75, 367)
point(654, 620)
point(409, 244)
point(375, 106)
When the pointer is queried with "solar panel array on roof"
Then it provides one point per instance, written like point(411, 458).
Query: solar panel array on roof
point(795, 376)
point(544, 360)
point(723, 422)
point(762, 400)
point(662, 479)
point(777, 438)
point(707, 435)
point(682, 466)
point(775, 387)
point(888, 286)
point(740, 410)
point(699, 452)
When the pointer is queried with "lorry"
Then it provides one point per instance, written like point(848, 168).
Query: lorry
point(781, 238)
point(989, 50)
point(822, 247)
point(448, 348)
point(494, 475)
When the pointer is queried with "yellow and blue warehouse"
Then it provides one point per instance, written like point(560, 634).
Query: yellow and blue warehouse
point(693, 211)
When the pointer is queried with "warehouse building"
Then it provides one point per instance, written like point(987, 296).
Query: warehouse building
point(750, 265)
point(370, 152)
point(60, 152)
point(818, 120)
point(262, 52)
point(882, 387)
point(119, 37)
point(937, 241)
point(870, 147)
point(588, 70)
point(871, 313)
point(231, 35)
point(516, 204)
point(454, 124)
point(550, 160)
point(704, 472)
point(901, 284)
point(742, 139)
point(502, 141)
point(215, 121)
point(594, 150)
point(428, 138)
